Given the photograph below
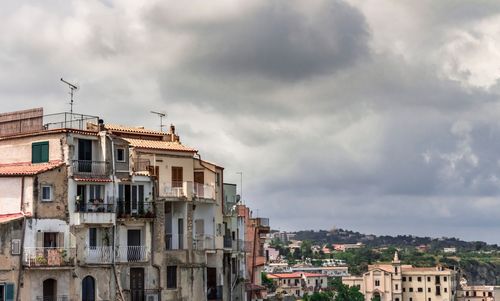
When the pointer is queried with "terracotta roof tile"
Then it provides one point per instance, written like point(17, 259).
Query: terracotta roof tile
point(161, 145)
point(27, 169)
point(100, 180)
point(5, 218)
point(132, 129)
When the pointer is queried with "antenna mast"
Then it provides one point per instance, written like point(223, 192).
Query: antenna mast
point(72, 88)
point(161, 115)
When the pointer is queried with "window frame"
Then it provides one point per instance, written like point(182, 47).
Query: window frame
point(172, 277)
point(42, 187)
point(118, 149)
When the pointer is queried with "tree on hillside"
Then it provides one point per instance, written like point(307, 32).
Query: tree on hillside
point(344, 292)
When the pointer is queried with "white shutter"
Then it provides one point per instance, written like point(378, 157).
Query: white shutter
point(16, 247)
point(39, 239)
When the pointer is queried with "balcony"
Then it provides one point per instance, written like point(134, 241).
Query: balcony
point(262, 222)
point(176, 189)
point(175, 241)
point(53, 298)
point(67, 120)
point(87, 168)
point(132, 253)
point(128, 209)
point(141, 165)
point(99, 255)
point(94, 211)
point(48, 257)
point(203, 242)
point(203, 191)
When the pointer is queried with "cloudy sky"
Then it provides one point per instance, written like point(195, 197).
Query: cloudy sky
point(377, 116)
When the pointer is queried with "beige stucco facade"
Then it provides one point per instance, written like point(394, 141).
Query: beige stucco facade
point(397, 282)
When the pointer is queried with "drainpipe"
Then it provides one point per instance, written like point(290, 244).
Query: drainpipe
point(157, 267)
point(114, 224)
point(21, 269)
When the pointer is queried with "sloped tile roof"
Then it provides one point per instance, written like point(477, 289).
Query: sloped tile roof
point(99, 180)
point(131, 129)
point(161, 145)
point(27, 169)
point(6, 218)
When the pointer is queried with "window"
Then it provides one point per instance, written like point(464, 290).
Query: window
point(96, 192)
point(297, 293)
point(397, 299)
point(404, 289)
point(404, 278)
point(120, 155)
point(445, 289)
point(411, 289)
point(411, 299)
point(420, 289)
point(396, 270)
point(172, 276)
point(40, 152)
point(396, 287)
point(92, 238)
point(377, 282)
point(428, 289)
point(438, 290)
point(445, 278)
point(6, 291)
point(428, 279)
point(176, 176)
point(15, 247)
point(429, 299)
point(409, 279)
point(46, 193)
point(419, 279)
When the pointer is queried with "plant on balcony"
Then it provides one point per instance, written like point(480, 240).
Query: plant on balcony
point(40, 260)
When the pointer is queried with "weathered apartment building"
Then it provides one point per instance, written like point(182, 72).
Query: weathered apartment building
point(92, 211)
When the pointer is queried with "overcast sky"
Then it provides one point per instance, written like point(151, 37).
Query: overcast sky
point(376, 116)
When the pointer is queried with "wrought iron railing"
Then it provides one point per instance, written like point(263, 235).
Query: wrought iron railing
point(34, 257)
point(94, 205)
point(132, 253)
point(99, 254)
point(139, 209)
point(90, 168)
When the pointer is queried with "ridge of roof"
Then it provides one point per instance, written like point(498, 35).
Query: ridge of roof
point(161, 145)
point(131, 129)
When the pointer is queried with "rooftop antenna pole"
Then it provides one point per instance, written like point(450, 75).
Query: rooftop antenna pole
point(72, 88)
point(161, 115)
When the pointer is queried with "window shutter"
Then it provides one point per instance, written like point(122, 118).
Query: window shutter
point(60, 240)
point(9, 292)
point(16, 247)
point(40, 152)
point(39, 239)
point(35, 153)
point(44, 152)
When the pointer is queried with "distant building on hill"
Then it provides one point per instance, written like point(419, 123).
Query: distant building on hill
point(478, 293)
point(398, 282)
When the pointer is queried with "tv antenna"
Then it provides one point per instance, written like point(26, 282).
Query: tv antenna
point(161, 115)
point(72, 88)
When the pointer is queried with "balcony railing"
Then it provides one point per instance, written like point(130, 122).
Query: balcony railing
point(262, 221)
point(137, 210)
point(204, 191)
point(203, 242)
point(99, 255)
point(94, 205)
point(141, 165)
point(176, 189)
point(89, 168)
point(175, 241)
point(67, 120)
point(53, 298)
point(142, 294)
point(132, 253)
point(48, 257)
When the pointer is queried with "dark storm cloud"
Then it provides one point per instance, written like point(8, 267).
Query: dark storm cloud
point(380, 117)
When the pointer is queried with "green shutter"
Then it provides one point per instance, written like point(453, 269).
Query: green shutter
point(40, 152)
point(9, 292)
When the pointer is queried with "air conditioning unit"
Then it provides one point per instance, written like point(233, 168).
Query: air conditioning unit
point(152, 297)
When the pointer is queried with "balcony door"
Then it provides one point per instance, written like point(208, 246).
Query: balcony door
point(137, 284)
point(199, 180)
point(84, 155)
point(134, 245)
point(180, 230)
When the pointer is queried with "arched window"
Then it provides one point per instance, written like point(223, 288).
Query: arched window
point(88, 289)
point(50, 289)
